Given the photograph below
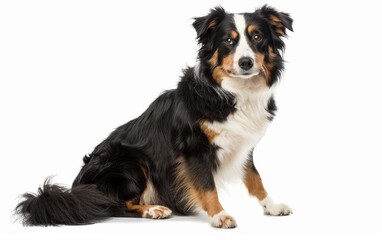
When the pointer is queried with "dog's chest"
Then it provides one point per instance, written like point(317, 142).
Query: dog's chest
point(237, 136)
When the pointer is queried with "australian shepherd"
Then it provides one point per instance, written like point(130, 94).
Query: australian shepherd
point(169, 159)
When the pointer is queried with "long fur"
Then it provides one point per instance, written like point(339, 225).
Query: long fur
point(56, 205)
point(158, 157)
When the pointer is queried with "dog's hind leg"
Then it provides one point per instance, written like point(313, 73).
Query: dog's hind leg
point(128, 182)
point(148, 211)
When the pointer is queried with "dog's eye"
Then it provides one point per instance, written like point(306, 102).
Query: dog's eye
point(229, 41)
point(257, 37)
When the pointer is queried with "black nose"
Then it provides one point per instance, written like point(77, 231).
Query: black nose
point(246, 63)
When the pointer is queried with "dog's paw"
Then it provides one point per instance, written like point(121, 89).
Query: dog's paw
point(223, 220)
point(274, 209)
point(277, 210)
point(157, 212)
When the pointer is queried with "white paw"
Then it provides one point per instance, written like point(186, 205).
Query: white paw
point(157, 212)
point(223, 220)
point(274, 209)
point(277, 210)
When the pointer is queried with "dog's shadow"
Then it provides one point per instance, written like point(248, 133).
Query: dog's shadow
point(198, 218)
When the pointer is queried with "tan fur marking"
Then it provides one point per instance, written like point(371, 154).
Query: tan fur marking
point(274, 19)
point(212, 24)
point(269, 64)
point(136, 207)
point(254, 184)
point(219, 72)
point(272, 55)
point(263, 66)
point(149, 211)
point(280, 31)
point(211, 134)
point(214, 59)
point(234, 34)
point(266, 67)
point(209, 202)
point(227, 62)
point(279, 27)
point(259, 59)
point(251, 28)
point(183, 182)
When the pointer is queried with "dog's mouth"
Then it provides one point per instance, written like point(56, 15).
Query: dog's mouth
point(244, 75)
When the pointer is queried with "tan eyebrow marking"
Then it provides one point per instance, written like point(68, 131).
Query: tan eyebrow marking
point(234, 34)
point(251, 28)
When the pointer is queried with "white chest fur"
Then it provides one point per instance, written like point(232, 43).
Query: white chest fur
point(244, 128)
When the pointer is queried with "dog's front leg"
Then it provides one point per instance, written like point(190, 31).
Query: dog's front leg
point(254, 184)
point(209, 202)
point(202, 190)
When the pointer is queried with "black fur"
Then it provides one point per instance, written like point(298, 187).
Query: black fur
point(211, 27)
point(55, 205)
point(148, 148)
point(272, 108)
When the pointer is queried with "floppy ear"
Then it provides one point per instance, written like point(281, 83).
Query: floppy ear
point(278, 20)
point(204, 25)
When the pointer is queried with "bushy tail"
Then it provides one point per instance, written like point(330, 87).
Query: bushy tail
point(56, 205)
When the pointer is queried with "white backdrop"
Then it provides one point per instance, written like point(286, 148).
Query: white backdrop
point(72, 71)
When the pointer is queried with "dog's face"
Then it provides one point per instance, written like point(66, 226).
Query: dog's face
point(242, 45)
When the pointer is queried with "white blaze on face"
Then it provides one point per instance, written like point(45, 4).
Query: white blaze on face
point(243, 49)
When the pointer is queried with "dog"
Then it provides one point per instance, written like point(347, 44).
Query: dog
point(169, 159)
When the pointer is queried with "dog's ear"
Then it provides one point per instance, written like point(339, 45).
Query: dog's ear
point(278, 20)
point(204, 25)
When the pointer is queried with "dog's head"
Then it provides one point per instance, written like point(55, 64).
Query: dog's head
point(243, 45)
